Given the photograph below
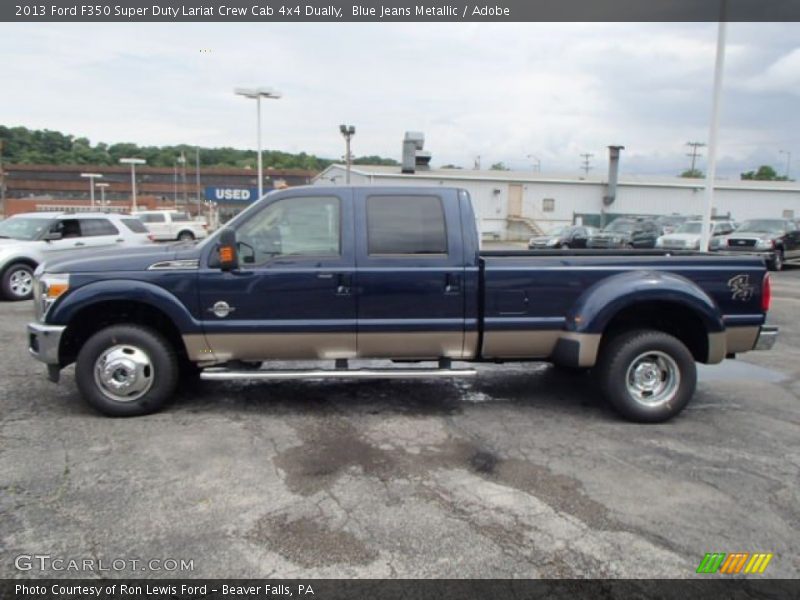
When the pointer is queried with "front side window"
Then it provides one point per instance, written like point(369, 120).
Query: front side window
point(305, 226)
point(152, 218)
point(406, 225)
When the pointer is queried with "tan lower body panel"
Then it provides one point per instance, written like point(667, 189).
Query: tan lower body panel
point(741, 339)
point(589, 344)
point(220, 347)
point(519, 344)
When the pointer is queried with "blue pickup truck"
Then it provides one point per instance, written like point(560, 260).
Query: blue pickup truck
point(349, 273)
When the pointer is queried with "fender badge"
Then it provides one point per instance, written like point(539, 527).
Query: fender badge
point(221, 309)
point(741, 288)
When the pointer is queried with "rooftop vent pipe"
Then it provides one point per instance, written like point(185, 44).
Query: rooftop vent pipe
point(414, 157)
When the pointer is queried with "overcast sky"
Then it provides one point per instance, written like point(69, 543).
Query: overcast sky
point(501, 91)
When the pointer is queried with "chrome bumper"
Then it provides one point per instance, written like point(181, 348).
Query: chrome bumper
point(766, 337)
point(44, 341)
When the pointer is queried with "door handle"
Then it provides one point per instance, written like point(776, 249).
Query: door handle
point(79, 244)
point(120, 240)
point(452, 283)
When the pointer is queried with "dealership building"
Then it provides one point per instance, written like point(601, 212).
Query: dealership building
point(517, 204)
point(28, 188)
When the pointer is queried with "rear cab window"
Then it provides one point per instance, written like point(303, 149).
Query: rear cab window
point(151, 218)
point(406, 225)
point(180, 217)
point(134, 225)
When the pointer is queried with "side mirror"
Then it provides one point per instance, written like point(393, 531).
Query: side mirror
point(51, 236)
point(228, 260)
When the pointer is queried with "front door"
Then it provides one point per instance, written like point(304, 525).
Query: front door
point(515, 200)
point(292, 295)
point(410, 275)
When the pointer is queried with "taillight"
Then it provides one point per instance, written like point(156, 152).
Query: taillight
point(151, 237)
point(766, 293)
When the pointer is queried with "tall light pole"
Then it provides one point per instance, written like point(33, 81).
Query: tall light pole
point(91, 177)
point(133, 162)
point(102, 187)
point(711, 171)
point(788, 161)
point(348, 131)
point(257, 94)
point(537, 164)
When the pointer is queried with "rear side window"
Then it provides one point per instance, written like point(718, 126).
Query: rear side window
point(152, 218)
point(135, 225)
point(180, 217)
point(406, 225)
point(90, 227)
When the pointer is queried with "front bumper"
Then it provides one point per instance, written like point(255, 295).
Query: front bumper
point(766, 337)
point(44, 342)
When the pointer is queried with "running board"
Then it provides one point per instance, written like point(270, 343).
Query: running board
point(221, 374)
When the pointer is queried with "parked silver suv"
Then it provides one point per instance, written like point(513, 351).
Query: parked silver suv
point(28, 239)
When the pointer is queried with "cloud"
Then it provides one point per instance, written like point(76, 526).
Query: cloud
point(503, 91)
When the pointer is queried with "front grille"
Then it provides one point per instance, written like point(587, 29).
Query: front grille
point(741, 243)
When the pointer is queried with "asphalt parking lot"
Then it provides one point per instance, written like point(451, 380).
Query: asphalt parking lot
point(522, 472)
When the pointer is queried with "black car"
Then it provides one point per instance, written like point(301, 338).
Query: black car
point(565, 236)
point(627, 233)
point(777, 240)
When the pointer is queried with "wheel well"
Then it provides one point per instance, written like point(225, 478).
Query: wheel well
point(16, 261)
point(91, 319)
point(670, 317)
point(189, 231)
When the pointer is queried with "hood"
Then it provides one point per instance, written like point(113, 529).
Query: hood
point(605, 235)
point(690, 238)
point(119, 259)
point(756, 235)
point(11, 243)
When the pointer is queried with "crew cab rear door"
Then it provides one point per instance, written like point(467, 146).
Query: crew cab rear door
point(409, 274)
point(292, 295)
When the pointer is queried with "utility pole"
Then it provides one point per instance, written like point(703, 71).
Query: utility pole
point(585, 166)
point(197, 176)
point(2, 183)
point(537, 164)
point(694, 153)
point(786, 152)
point(347, 131)
point(182, 161)
point(477, 164)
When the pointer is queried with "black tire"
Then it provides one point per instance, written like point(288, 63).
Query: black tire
point(17, 282)
point(162, 374)
point(185, 236)
point(776, 264)
point(663, 361)
point(565, 246)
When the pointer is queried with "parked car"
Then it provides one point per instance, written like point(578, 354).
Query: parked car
point(670, 223)
point(626, 233)
point(563, 236)
point(687, 236)
point(777, 240)
point(28, 239)
point(167, 225)
point(339, 273)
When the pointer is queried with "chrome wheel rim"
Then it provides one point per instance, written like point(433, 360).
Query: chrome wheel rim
point(653, 378)
point(21, 282)
point(124, 373)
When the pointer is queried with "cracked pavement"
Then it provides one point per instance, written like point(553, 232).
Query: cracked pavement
point(521, 472)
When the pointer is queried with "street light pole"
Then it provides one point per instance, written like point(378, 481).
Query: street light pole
point(788, 161)
point(133, 162)
point(256, 94)
point(102, 187)
point(348, 131)
point(537, 164)
point(91, 177)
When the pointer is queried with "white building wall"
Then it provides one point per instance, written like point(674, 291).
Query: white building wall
point(490, 198)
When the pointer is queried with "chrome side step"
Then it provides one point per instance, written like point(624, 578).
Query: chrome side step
point(222, 374)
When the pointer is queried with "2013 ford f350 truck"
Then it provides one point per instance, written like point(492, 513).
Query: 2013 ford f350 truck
point(343, 273)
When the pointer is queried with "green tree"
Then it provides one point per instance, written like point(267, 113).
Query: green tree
point(499, 166)
point(693, 174)
point(764, 173)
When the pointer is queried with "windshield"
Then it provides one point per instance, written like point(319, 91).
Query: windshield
point(620, 226)
point(763, 226)
point(23, 228)
point(557, 231)
point(691, 227)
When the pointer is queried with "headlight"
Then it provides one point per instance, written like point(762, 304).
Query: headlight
point(552, 242)
point(765, 244)
point(660, 242)
point(716, 242)
point(47, 288)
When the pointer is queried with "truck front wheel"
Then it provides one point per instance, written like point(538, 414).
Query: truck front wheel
point(647, 376)
point(126, 370)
